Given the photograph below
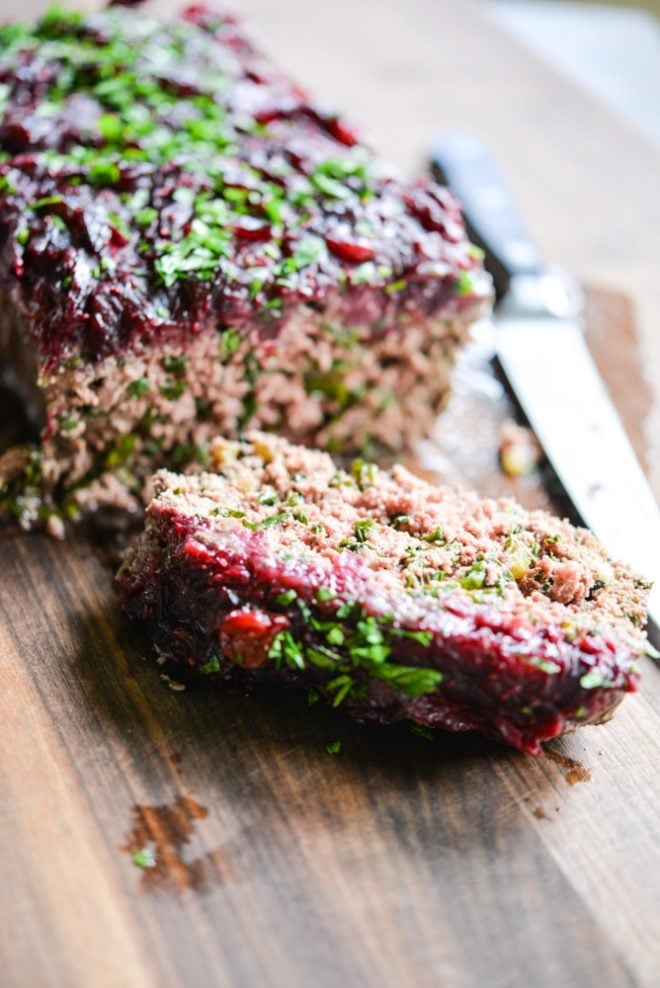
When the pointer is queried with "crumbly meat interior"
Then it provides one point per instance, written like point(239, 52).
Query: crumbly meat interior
point(111, 423)
point(420, 540)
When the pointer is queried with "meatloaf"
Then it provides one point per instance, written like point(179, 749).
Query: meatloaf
point(391, 598)
point(189, 245)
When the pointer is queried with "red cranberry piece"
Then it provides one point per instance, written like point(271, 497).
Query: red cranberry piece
point(350, 251)
point(196, 13)
point(16, 136)
point(26, 161)
point(117, 238)
point(341, 132)
point(259, 78)
point(250, 228)
point(267, 116)
point(251, 622)
point(435, 215)
point(591, 646)
point(246, 636)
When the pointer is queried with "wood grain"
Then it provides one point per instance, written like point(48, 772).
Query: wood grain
point(398, 861)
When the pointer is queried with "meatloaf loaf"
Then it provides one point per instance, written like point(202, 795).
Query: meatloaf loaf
point(189, 245)
point(389, 597)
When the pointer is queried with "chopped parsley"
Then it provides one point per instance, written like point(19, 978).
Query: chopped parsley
point(68, 423)
point(464, 284)
point(414, 681)
point(175, 364)
point(324, 594)
point(144, 858)
point(138, 388)
point(285, 649)
point(272, 520)
point(341, 686)
point(230, 341)
point(268, 498)
point(594, 679)
point(362, 527)
point(436, 536)
point(354, 647)
point(364, 473)
point(546, 665)
point(475, 578)
point(422, 732)
point(212, 665)
point(173, 390)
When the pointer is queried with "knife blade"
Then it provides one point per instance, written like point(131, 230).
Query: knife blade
point(542, 351)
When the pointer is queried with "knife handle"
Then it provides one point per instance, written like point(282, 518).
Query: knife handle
point(463, 162)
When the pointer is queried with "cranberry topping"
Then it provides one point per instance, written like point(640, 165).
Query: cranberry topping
point(356, 253)
point(135, 209)
point(245, 636)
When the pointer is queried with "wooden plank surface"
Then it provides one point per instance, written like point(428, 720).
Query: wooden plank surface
point(398, 861)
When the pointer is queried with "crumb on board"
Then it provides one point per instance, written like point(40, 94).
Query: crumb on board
point(520, 451)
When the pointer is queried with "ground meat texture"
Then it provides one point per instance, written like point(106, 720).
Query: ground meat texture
point(189, 245)
point(392, 598)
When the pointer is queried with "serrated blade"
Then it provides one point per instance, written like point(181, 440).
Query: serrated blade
point(553, 376)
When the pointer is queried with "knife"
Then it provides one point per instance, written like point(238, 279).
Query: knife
point(541, 349)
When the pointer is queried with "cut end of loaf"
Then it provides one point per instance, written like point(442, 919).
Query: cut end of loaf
point(406, 600)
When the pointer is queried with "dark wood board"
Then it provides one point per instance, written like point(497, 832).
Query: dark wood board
point(398, 861)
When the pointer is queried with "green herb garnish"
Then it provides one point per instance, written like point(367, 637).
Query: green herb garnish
point(594, 679)
point(138, 388)
point(210, 666)
point(144, 858)
point(412, 680)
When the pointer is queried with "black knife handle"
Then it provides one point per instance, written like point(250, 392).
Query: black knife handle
point(463, 162)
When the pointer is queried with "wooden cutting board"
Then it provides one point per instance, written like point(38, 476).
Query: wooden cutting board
point(396, 861)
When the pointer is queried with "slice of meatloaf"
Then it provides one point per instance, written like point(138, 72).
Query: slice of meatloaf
point(392, 598)
point(189, 245)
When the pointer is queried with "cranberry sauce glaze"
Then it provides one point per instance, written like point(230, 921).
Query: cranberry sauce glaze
point(156, 176)
point(237, 611)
